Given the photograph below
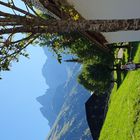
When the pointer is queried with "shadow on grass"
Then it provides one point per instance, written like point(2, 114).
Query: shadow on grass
point(132, 50)
point(120, 77)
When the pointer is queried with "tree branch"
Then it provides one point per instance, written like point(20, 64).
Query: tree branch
point(23, 39)
point(16, 8)
point(16, 52)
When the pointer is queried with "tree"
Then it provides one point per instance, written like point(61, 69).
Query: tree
point(75, 60)
point(34, 25)
point(95, 77)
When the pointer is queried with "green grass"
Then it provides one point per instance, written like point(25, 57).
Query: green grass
point(123, 117)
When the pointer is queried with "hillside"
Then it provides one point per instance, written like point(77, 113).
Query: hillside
point(63, 104)
point(123, 117)
point(71, 120)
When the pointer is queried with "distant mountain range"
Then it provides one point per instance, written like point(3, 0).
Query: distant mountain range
point(63, 104)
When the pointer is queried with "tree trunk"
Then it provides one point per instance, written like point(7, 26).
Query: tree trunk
point(94, 25)
point(53, 26)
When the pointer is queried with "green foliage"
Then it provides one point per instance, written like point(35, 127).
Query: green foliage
point(95, 77)
point(11, 50)
point(85, 82)
point(9, 54)
point(95, 74)
point(66, 43)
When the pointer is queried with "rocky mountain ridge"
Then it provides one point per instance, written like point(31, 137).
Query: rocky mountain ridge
point(63, 104)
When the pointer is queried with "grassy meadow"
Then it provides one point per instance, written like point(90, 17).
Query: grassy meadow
point(123, 117)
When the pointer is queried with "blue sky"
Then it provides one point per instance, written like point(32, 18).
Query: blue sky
point(20, 117)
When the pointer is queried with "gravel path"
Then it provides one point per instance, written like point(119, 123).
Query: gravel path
point(120, 53)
